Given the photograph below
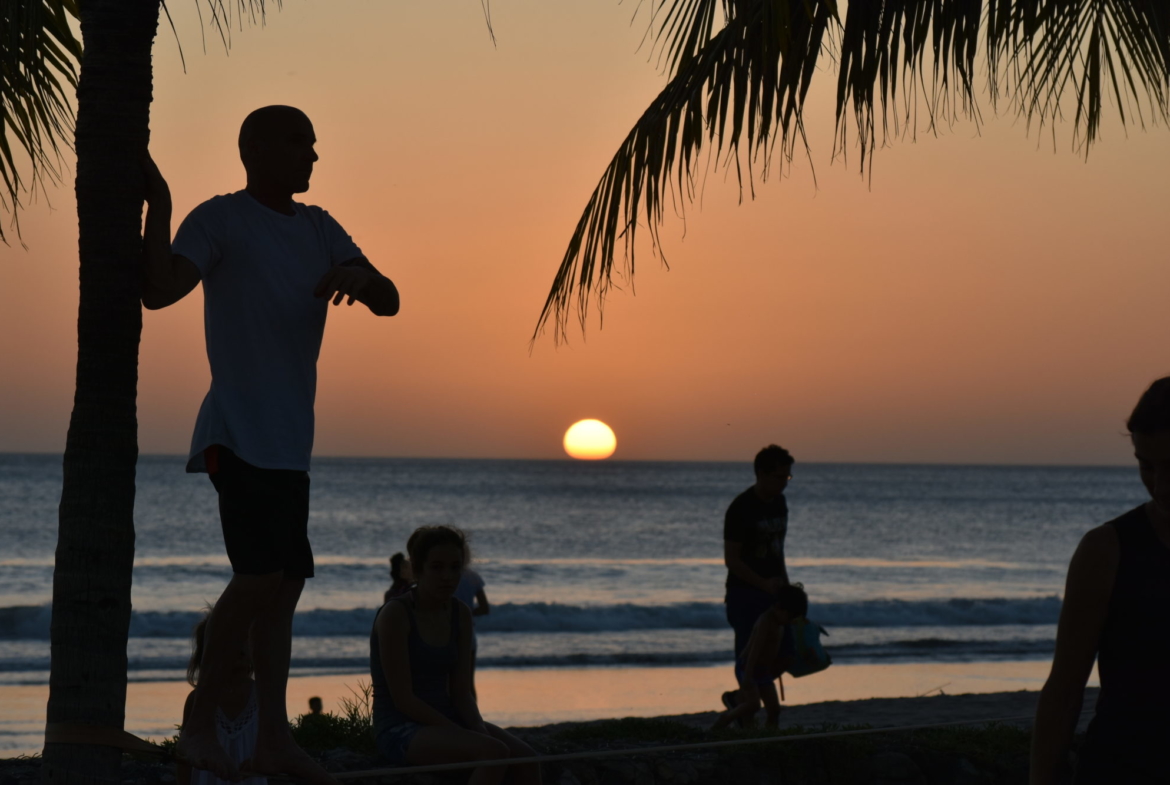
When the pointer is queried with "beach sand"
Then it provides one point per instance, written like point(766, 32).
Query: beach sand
point(890, 757)
point(843, 694)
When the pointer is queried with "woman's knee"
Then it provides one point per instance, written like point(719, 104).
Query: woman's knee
point(519, 749)
point(516, 748)
point(489, 748)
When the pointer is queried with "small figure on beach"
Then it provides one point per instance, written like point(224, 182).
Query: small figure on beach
point(771, 650)
point(236, 714)
point(315, 705)
point(420, 667)
point(400, 577)
point(754, 529)
point(270, 266)
point(472, 593)
point(1116, 611)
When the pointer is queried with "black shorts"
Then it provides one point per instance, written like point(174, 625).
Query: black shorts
point(264, 514)
point(745, 605)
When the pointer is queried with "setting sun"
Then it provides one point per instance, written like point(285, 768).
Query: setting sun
point(590, 440)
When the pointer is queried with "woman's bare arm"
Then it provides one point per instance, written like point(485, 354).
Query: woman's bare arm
point(393, 629)
point(1082, 618)
point(460, 685)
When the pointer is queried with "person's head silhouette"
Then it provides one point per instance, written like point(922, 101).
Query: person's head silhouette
point(276, 147)
point(1149, 427)
point(773, 467)
point(315, 705)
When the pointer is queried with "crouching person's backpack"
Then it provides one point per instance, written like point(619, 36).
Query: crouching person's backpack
point(811, 656)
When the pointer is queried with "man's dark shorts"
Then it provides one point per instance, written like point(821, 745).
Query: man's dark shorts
point(745, 604)
point(264, 514)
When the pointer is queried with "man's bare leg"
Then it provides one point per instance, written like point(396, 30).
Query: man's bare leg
point(227, 633)
point(276, 752)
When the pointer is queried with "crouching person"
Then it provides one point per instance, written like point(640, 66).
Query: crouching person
point(770, 651)
point(420, 666)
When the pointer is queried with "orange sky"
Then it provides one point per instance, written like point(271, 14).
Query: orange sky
point(986, 300)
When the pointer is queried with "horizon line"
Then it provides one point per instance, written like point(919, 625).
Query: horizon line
point(567, 459)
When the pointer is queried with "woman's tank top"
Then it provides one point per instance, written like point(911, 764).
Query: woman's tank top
point(430, 670)
point(1132, 720)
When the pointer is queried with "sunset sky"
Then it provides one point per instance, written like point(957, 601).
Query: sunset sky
point(990, 296)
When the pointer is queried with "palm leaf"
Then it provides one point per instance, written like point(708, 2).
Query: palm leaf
point(740, 89)
point(39, 57)
point(38, 74)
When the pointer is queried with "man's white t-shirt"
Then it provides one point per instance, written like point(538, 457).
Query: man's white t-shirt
point(262, 323)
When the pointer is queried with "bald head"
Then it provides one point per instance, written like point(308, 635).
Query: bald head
point(276, 147)
point(268, 124)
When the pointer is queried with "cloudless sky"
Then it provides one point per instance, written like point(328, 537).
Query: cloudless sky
point(990, 296)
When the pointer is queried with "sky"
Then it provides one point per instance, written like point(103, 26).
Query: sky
point(988, 296)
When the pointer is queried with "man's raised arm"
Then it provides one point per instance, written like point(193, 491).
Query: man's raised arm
point(166, 277)
point(360, 281)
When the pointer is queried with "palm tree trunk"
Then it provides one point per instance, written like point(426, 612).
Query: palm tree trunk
point(95, 541)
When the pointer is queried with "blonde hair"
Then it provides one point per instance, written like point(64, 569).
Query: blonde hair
point(197, 636)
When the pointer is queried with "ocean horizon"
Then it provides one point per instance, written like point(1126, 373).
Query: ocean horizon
point(568, 460)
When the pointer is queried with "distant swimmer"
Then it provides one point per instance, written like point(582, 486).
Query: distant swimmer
point(400, 577)
point(269, 266)
point(1117, 611)
point(754, 529)
point(420, 667)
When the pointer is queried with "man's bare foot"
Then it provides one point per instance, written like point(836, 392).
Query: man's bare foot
point(283, 756)
point(202, 750)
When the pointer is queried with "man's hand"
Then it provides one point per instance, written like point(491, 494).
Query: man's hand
point(344, 281)
point(158, 193)
point(361, 282)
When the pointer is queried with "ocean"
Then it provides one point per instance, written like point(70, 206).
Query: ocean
point(595, 564)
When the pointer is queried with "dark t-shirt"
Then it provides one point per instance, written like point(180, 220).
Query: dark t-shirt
point(760, 528)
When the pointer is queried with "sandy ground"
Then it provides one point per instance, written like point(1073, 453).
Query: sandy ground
point(878, 695)
point(1018, 708)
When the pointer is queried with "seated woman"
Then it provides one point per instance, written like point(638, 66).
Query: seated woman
point(420, 666)
point(1115, 611)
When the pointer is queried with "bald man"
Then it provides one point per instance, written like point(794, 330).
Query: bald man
point(270, 266)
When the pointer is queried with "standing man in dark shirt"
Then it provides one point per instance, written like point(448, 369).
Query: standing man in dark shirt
point(753, 546)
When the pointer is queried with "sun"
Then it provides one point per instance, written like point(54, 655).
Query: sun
point(590, 440)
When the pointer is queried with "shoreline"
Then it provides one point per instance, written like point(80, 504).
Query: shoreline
point(534, 698)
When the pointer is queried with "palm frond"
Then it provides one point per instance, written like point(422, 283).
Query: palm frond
point(226, 15)
point(39, 60)
point(898, 60)
point(733, 90)
point(38, 74)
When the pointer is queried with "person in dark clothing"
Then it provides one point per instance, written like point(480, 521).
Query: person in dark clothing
point(754, 529)
point(1117, 611)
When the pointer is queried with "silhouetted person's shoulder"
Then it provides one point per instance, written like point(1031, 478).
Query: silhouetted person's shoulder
point(1133, 522)
point(748, 505)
